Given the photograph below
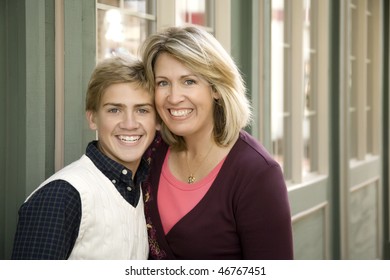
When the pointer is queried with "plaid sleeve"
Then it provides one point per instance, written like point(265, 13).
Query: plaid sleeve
point(48, 223)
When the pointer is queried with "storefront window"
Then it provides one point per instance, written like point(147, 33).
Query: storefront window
point(122, 25)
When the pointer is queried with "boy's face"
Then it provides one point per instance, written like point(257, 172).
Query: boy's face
point(125, 122)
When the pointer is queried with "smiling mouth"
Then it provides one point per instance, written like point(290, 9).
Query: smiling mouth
point(180, 113)
point(129, 139)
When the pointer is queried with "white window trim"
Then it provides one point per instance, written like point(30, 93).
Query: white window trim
point(323, 86)
point(296, 147)
point(166, 11)
point(377, 76)
point(223, 23)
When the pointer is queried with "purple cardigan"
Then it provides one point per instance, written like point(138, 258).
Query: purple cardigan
point(244, 215)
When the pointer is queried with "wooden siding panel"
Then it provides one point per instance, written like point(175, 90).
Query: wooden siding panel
point(310, 236)
point(364, 224)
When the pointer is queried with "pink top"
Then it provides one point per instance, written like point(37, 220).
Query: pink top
point(176, 198)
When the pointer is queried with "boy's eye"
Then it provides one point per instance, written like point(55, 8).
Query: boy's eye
point(143, 111)
point(113, 110)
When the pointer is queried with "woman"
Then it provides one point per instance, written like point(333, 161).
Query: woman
point(213, 192)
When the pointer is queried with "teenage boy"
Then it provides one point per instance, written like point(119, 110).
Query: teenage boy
point(93, 208)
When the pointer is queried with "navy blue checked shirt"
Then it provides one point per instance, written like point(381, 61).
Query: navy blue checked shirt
point(49, 221)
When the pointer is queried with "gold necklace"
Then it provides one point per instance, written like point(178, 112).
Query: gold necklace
point(191, 178)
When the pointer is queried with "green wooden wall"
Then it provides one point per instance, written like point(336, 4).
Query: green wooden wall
point(3, 107)
point(13, 118)
point(334, 117)
point(386, 126)
point(241, 42)
point(27, 93)
point(80, 59)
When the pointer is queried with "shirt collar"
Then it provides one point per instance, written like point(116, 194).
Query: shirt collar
point(114, 170)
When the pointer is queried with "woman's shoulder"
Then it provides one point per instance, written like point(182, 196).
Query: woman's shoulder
point(250, 149)
point(251, 167)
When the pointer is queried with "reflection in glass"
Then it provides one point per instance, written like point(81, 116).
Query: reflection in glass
point(121, 30)
point(310, 56)
point(277, 81)
point(370, 81)
point(114, 3)
point(352, 85)
point(196, 12)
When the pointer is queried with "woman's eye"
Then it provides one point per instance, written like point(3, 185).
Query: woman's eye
point(162, 83)
point(189, 82)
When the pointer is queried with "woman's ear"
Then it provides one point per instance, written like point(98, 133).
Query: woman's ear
point(91, 120)
point(215, 94)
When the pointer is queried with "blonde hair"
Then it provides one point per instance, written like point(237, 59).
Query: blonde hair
point(204, 55)
point(114, 70)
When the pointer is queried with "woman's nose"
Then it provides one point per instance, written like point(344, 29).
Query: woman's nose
point(175, 95)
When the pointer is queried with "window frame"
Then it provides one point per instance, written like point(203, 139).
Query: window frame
point(222, 24)
point(365, 74)
point(151, 17)
point(293, 86)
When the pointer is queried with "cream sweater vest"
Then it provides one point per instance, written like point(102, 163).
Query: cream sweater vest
point(110, 227)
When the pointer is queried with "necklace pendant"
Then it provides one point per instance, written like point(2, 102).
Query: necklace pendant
point(191, 179)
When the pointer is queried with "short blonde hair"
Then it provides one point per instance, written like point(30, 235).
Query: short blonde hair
point(114, 70)
point(204, 55)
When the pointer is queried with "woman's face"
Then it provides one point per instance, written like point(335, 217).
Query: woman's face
point(184, 100)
